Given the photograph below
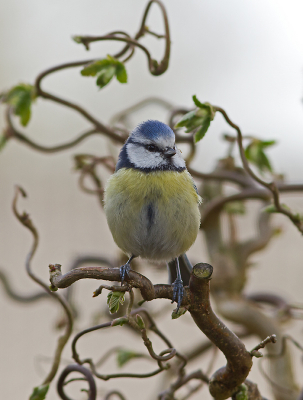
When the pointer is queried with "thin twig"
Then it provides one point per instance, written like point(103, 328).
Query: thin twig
point(26, 221)
point(181, 381)
point(272, 186)
point(230, 176)
point(121, 116)
point(251, 193)
point(270, 339)
point(88, 377)
point(155, 67)
point(147, 342)
point(171, 351)
point(15, 134)
point(14, 295)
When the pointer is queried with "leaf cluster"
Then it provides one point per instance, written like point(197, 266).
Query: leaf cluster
point(105, 70)
point(114, 299)
point(198, 120)
point(20, 97)
point(254, 153)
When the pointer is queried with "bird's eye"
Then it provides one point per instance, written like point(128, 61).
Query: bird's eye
point(152, 147)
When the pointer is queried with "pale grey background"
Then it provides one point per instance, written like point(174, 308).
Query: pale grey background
point(244, 56)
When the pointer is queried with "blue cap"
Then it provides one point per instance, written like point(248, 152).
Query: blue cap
point(153, 130)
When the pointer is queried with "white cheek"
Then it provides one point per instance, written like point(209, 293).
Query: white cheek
point(143, 158)
point(178, 160)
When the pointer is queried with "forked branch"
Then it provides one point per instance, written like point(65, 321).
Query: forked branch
point(224, 382)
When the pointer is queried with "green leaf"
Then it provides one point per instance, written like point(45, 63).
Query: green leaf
point(181, 311)
point(255, 154)
point(121, 73)
point(201, 132)
point(114, 299)
point(140, 321)
point(105, 76)
point(199, 119)
point(112, 59)
point(95, 67)
point(20, 97)
point(119, 321)
point(39, 392)
point(123, 356)
point(105, 70)
point(264, 162)
point(197, 102)
point(184, 120)
point(267, 143)
point(191, 122)
point(206, 106)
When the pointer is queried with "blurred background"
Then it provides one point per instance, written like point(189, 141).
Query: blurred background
point(246, 57)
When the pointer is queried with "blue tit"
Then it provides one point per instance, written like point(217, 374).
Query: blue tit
point(151, 201)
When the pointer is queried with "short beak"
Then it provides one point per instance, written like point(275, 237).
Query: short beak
point(169, 152)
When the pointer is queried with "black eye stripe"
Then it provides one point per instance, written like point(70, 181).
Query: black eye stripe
point(152, 148)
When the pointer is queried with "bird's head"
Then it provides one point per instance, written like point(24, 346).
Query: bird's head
point(151, 146)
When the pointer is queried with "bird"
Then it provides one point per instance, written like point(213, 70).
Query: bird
point(151, 202)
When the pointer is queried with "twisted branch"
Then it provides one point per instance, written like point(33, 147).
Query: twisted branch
point(272, 186)
point(88, 377)
point(226, 380)
point(26, 221)
point(14, 295)
point(155, 67)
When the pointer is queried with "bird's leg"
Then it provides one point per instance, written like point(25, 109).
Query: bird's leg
point(178, 286)
point(124, 270)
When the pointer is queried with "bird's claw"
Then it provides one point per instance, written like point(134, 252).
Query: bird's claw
point(178, 292)
point(124, 270)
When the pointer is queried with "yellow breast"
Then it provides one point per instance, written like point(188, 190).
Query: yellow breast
point(154, 215)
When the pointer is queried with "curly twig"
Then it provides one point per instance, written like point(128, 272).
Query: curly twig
point(167, 395)
point(88, 168)
point(127, 319)
point(13, 132)
point(155, 67)
point(88, 377)
point(16, 296)
point(225, 381)
point(26, 221)
point(246, 194)
point(272, 186)
point(121, 116)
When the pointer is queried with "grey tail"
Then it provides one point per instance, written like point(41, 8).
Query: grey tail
point(185, 268)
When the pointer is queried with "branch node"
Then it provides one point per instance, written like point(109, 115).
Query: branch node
point(203, 271)
point(270, 339)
